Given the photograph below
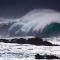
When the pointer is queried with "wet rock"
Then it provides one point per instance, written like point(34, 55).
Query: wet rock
point(37, 56)
point(19, 41)
point(39, 41)
point(4, 40)
point(35, 41)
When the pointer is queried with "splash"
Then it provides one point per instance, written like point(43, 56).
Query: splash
point(34, 22)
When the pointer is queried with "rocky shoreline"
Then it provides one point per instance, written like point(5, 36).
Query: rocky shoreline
point(33, 41)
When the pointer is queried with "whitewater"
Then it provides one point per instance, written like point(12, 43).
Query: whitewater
point(13, 51)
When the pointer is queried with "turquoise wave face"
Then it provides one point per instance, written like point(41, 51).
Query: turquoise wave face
point(50, 30)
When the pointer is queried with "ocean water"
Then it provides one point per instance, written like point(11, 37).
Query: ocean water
point(38, 22)
point(9, 51)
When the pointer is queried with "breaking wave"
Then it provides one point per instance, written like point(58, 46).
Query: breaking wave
point(38, 22)
point(35, 22)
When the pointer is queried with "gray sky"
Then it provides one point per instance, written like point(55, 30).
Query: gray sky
point(17, 8)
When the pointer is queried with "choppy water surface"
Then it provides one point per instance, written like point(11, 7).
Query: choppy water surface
point(13, 51)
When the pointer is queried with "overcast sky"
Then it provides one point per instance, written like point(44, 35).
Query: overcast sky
point(17, 8)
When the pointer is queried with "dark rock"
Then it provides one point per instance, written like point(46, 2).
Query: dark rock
point(19, 41)
point(37, 56)
point(4, 40)
point(47, 43)
point(39, 41)
point(35, 41)
point(13, 41)
point(51, 57)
